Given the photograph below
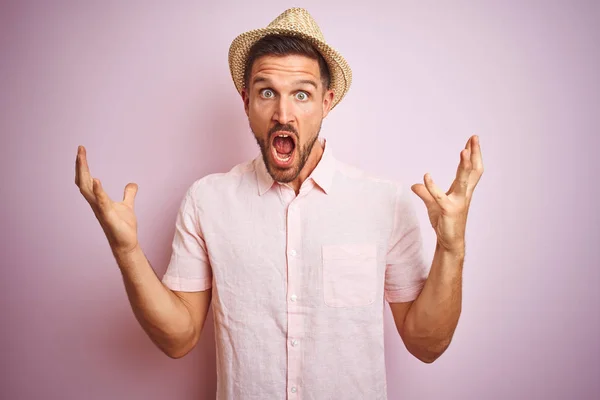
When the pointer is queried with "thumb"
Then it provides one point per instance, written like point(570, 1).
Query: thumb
point(420, 190)
point(129, 194)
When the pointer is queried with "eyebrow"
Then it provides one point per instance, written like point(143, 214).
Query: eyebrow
point(297, 82)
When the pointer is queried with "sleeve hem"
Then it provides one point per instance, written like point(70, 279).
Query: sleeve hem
point(187, 285)
point(403, 295)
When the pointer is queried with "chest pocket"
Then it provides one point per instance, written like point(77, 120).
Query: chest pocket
point(349, 274)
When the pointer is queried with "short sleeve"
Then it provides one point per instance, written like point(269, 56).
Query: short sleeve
point(406, 267)
point(189, 267)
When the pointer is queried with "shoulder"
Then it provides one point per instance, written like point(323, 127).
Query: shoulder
point(361, 179)
point(220, 182)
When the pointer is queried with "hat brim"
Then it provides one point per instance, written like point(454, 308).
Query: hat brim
point(339, 70)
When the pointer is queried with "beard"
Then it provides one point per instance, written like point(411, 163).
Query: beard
point(286, 175)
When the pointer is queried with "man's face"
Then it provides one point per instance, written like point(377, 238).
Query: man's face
point(286, 102)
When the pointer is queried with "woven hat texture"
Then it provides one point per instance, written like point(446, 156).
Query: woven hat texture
point(294, 22)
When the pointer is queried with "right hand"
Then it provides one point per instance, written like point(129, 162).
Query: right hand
point(116, 218)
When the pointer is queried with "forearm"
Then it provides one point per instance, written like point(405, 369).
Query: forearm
point(432, 318)
point(162, 315)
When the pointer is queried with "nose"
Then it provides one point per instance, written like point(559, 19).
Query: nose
point(284, 112)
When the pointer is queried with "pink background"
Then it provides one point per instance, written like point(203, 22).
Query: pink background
point(146, 88)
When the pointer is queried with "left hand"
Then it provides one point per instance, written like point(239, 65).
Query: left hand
point(448, 212)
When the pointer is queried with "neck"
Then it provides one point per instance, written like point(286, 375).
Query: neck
point(311, 163)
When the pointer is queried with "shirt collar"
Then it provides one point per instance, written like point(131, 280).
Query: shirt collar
point(322, 175)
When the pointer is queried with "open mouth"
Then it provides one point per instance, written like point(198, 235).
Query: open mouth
point(282, 148)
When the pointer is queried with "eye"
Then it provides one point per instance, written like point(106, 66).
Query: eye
point(302, 96)
point(267, 93)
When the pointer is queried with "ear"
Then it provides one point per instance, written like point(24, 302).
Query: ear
point(327, 102)
point(246, 100)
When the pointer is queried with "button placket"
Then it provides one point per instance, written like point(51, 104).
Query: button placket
point(295, 322)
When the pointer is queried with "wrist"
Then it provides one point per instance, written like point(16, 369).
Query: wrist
point(125, 256)
point(456, 250)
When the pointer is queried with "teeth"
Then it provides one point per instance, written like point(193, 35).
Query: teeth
point(282, 158)
point(277, 156)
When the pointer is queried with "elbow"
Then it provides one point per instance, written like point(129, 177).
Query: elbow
point(178, 346)
point(177, 351)
point(430, 352)
point(426, 345)
point(429, 358)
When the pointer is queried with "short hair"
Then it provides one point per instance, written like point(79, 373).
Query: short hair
point(283, 45)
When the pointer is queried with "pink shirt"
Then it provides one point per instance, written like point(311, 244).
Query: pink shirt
point(298, 282)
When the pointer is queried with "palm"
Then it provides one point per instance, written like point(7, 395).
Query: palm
point(122, 224)
point(448, 211)
point(434, 216)
point(117, 219)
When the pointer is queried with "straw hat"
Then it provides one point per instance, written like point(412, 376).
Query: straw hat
point(293, 22)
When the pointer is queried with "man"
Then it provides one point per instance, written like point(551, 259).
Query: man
point(296, 250)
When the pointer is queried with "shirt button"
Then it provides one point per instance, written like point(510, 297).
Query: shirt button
point(294, 342)
point(293, 297)
point(293, 253)
point(293, 389)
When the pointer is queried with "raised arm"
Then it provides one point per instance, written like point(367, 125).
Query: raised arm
point(172, 320)
point(428, 323)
